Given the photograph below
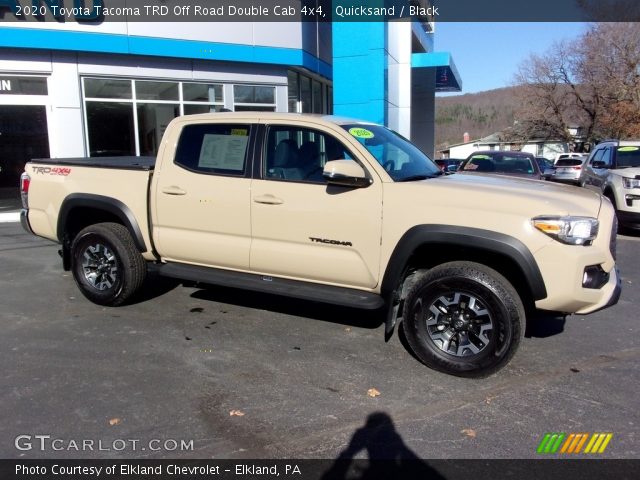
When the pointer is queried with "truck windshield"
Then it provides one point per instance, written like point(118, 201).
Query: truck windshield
point(628, 157)
point(402, 160)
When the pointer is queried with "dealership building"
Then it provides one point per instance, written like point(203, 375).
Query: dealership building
point(71, 89)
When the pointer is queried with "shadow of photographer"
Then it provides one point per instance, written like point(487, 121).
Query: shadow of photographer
point(389, 457)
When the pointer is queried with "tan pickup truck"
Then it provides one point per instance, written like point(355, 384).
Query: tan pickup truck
point(332, 210)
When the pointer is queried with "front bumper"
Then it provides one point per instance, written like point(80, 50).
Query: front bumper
point(614, 295)
point(564, 269)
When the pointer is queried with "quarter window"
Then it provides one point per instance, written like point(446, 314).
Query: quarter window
point(214, 149)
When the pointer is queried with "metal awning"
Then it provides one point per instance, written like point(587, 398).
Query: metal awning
point(447, 76)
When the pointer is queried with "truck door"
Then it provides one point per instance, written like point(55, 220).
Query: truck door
point(201, 212)
point(303, 228)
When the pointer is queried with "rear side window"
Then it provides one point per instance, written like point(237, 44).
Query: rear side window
point(214, 149)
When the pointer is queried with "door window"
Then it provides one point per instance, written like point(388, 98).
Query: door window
point(300, 154)
point(214, 149)
point(597, 156)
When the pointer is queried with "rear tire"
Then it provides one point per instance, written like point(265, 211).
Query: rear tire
point(106, 265)
point(464, 319)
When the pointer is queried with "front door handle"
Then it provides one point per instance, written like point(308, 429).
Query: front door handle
point(268, 199)
point(173, 190)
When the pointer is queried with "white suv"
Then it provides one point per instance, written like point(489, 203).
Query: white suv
point(613, 168)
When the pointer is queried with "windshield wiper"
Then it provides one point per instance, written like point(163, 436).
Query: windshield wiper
point(420, 177)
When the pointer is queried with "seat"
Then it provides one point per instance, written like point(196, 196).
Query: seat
point(285, 161)
point(310, 162)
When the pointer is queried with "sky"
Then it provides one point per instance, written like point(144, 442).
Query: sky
point(487, 55)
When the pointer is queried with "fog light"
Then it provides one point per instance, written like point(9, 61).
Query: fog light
point(594, 277)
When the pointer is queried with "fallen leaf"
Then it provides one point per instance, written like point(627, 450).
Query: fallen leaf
point(236, 413)
point(469, 432)
point(488, 400)
point(372, 392)
point(114, 421)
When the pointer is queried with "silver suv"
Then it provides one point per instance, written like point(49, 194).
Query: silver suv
point(569, 170)
point(613, 168)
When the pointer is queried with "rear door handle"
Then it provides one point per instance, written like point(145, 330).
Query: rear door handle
point(268, 199)
point(173, 190)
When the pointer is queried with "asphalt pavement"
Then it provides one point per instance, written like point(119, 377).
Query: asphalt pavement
point(188, 372)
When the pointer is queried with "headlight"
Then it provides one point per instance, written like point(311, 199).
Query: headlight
point(570, 230)
point(631, 182)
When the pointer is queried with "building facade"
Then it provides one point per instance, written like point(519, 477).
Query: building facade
point(109, 89)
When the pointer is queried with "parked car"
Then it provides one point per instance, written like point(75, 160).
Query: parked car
point(614, 170)
point(546, 167)
point(449, 165)
point(564, 156)
point(515, 164)
point(569, 170)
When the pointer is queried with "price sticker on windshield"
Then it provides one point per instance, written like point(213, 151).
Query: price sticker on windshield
point(628, 149)
point(361, 133)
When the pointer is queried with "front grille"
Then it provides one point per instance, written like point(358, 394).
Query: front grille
point(614, 234)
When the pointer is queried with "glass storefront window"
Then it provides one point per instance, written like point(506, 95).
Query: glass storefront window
point(254, 98)
point(199, 92)
point(313, 94)
point(107, 88)
point(305, 94)
point(293, 87)
point(20, 85)
point(153, 119)
point(110, 129)
point(254, 94)
point(193, 109)
point(317, 97)
point(253, 108)
point(156, 90)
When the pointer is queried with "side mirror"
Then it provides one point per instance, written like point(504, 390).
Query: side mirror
point(599, 164)
point(452, 168)
point(346, 173)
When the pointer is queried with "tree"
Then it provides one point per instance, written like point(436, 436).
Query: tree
point(592, 82)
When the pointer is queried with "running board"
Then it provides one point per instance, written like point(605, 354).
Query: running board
point(315, 292)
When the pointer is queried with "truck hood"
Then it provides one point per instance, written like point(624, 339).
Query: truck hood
point(511, 195)
point(630, 172)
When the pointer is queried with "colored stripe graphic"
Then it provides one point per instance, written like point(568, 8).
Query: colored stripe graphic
point(598, 442)
point(572, 443)
point(551, 442)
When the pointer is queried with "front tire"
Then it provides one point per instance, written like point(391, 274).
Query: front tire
point(106, 265)
point(464, 319)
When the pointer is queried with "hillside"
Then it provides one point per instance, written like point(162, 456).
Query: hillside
point(479, 114)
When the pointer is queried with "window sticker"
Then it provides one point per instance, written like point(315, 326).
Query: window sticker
point(242, 132)
point(225, 152)
point(361, 133)
point(628, 149)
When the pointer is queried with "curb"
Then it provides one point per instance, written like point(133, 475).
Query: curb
point(10, 217)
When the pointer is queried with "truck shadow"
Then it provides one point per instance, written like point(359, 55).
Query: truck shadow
point(371, 319)
point(542, 324)
point(154, 286)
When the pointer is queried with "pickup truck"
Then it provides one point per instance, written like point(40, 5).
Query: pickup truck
point(332, 210)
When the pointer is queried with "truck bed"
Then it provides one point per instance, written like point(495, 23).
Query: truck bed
point(121, 163)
